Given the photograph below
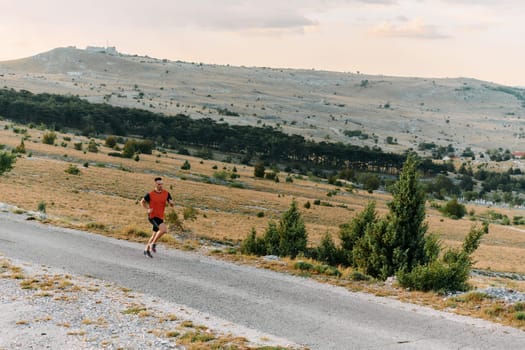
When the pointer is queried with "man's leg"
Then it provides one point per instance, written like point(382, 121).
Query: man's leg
point(147, 251)
point(151, 239)
point(162, 230)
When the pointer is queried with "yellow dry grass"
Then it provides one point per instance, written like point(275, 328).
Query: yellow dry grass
point(105, 196)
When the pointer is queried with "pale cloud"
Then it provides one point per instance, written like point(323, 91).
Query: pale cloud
point(416, 29)
point(245, 18)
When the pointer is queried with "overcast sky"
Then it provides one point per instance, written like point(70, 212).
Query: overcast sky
point(483, 39)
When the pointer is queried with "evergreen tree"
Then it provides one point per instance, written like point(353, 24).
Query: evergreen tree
point(292, 232)
point(252, 244)
point(259, 170)
point(397, 242)
point(328, 252)
point(350, 233)
point(372, 251)
point(186, 165)
point(406, 219)
point(6, 162)
point(454, 209)
point(271, 239)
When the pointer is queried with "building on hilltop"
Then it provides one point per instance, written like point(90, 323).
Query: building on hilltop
point(110, 50)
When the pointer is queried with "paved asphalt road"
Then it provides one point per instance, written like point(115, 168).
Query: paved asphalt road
point(302, 311)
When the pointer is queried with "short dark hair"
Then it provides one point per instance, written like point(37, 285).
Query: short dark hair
point(158, 179)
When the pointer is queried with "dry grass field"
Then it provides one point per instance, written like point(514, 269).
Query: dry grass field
point(104, 198)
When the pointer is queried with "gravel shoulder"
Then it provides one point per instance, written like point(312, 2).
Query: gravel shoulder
point(44, 307)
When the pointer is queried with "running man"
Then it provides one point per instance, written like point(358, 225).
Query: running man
point(155, 203)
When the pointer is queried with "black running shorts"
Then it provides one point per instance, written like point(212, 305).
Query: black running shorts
point(156, 223)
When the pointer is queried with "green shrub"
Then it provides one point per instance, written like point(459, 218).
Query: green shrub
point(96, 226)
point(253, 245)
point(271, 239)
point(49, 138)
point(518, 220)
point(350, 233)
point(92, 146)
point(42, 207)
point(292, 232)
point(453, 209)
point(448, 274)
point(519, 306)
point(221, 175)
point(186, 165)
point(327, 251)
point(332, 271)
point(358, 276)
point(438, 276)
point(304, 266)
point(259, 170)
point(320, 269)
point(73, 170)
point(78, 146)
point(131, 147)
point(520, 316)
point(21, 148)
point(111, 141)
point(370, 182)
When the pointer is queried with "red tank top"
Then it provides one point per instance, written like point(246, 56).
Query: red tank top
point(157, 203)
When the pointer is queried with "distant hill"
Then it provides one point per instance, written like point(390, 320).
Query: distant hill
point(394, 113)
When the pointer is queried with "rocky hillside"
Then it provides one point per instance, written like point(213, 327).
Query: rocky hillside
point(394, 113)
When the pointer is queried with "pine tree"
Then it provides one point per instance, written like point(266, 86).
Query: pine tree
point(406, 219)
point(328, 252)
point(397, 242)
point(271, 239)
point(258, 170)
point(350, 233)
point(292, 232)
point(6, 162)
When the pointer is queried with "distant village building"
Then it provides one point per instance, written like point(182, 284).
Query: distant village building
point(518, 155)
point(111, 50)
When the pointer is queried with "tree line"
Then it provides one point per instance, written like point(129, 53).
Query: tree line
point(63, 112)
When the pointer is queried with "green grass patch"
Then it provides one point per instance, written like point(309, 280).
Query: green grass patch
point(520, 316)
point(134, 310)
